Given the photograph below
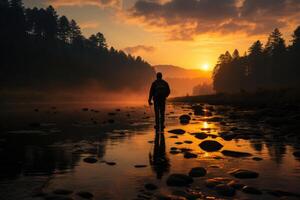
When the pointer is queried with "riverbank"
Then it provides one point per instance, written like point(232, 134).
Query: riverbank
point(259, 98)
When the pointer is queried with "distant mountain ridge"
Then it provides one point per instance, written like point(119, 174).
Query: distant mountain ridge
point(171, 71)
point(183, 81)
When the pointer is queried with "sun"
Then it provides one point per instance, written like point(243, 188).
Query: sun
point(205, 67)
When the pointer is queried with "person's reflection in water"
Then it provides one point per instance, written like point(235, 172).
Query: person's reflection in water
point(159, 161)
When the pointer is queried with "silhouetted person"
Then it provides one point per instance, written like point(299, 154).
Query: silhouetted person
point(159, 161)
point(159, 92)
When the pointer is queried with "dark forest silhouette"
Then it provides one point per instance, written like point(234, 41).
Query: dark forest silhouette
point(273, 66)
point(41, 50)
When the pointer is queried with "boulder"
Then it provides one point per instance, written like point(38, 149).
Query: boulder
point(150, 186)
point(197, 172)
point(198, 110)
point(225, 190)
point(190, 155)
point(235, 184)
point(90, 160)
point(140, 166)
point(62, 192)
point(184, 119)
point(213, 182)
point(177, 131)
point(257, 158)
point(236, 154)
point(251, 190)
point(244, 174)
point(210, 145)
point(110, 163)
point(85, 195)
point(297, 154)
point(200, 136)
point(57, 197)
point(179, 180)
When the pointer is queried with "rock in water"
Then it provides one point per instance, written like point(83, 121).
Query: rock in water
point(251, 190)
point(225, 190)
point(140, 166)
point(179, 180)
point(184, 119)
point(297, 154)
point(62, 192)
point(190, 155)
point(213, 182)
point(197, 172)
point(200, 136)
point(236, 154)
point(243, 174)
point(177, 131)
point(198, 110)
point(210, 145)
point(150, 186)
point(85, 195)
point(90, 160)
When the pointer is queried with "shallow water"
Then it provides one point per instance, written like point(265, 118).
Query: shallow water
point(53, 159)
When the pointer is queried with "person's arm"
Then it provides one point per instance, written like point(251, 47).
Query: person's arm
point(151, 94)
point(168, 90)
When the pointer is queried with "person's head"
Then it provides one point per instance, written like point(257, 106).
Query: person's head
point(159, 75)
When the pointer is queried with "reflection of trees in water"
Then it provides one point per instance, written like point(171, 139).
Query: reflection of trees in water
point(257, 144)
point(35, 160)
point(276, 150)
point(276, 147)
point(159, 161)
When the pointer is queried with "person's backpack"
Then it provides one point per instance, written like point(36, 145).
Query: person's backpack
point(161, 89)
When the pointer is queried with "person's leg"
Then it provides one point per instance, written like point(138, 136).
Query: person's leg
point(157, 110)
point(162, 113)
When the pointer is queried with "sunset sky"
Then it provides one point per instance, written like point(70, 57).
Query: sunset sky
point(186, 33)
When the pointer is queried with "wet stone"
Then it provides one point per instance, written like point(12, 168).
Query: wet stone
point(62, 192)
point(90, 160)
point(178, 143)
point(213, 182)
point(210, 145)
point(177, 131)
point(251, 190)
point(200, 136)
point(174, 152)
point(297, 154)
point(197, 172)
point(57, 197)
point(235, 184)
point(179, 180)
point(236, 154)
point(85, 195)
point(150, 186)
point(244, 174)
point(225, 190)
point(257, 158)
point(189, 155)
point(140, 166)
point(110, 163)
point(184, 119)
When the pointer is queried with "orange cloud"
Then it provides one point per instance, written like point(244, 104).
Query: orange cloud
point(184, 20)
point(99, 3)
point(139, 49)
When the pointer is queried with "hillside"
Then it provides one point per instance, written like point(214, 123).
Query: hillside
point(184, 81)
point(171, 71)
